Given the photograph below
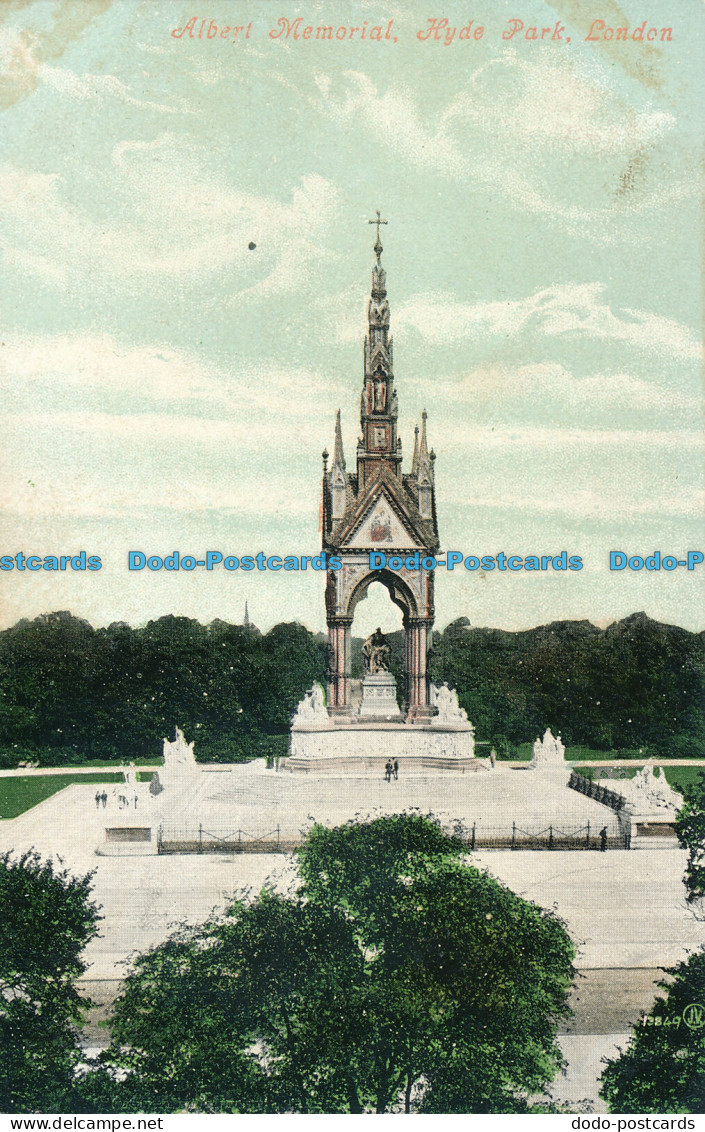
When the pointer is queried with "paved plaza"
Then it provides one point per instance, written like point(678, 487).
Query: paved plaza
point(257, 800)
point(624, 909)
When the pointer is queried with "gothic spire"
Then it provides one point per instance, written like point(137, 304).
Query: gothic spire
point(415, 457)
point(378, 249)
point(379, 446)
point(338, 454)
point(423, 444)
point(378, 309)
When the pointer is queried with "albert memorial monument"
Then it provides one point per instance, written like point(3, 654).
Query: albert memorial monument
point(380, 507)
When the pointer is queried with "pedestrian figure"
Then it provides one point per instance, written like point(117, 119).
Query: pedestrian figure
point(396, 769)
point(97, 799)
point(603, 839)
point(388, 770)
point(104, 799)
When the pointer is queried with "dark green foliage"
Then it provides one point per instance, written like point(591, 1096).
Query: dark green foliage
point(636, 684)
point(663, 1068)
point(395, 978)
point(690, 829)
point(71, 692)
point(47, 919)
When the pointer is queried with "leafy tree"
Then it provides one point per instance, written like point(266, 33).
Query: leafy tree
point(635, 684)
point(68, 691)
point(395, 977)
point(663, 1068)
point(690, 828)
point(46, 922)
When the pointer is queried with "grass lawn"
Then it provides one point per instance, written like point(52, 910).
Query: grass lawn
point(573, 754)
point(20, 794)
point(680, 776)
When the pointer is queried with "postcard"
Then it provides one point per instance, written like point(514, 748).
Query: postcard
point(353, 558)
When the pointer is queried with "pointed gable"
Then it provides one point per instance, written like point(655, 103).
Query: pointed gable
point(381, 527)
point(381, 519)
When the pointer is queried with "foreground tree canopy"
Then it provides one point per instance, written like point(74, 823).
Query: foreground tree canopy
point(690, 828)
point(71, 692)
point(47, 919)
point(394, 977)
point(663, 1068)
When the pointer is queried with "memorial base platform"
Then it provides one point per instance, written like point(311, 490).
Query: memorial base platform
point(362, 747)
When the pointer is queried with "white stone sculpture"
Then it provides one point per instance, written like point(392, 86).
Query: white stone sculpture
point(445, 701)
point(180, 772)
point(549, 751)
point(311, 710)
point(646, 795)
point(179, 753)
point(649, 793)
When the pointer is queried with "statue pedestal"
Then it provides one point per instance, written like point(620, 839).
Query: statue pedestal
point(379, 697)
point(362, 743)
point(361, 747)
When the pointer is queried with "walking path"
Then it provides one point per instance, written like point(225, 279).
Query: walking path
point(41, 771)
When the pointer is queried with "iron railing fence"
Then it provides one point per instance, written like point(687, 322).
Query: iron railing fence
point(593, 789)
point(202, 839)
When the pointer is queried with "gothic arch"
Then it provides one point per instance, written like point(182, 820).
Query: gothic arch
point(399, 591)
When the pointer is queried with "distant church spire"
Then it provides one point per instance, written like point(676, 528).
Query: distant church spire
point(246, 622)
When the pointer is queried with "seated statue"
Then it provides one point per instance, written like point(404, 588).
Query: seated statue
point(376, 652)
point(445, 701)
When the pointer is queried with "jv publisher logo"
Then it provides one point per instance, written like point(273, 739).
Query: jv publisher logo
point(694, 1016)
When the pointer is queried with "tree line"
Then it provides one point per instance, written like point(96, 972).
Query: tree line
point(71, 693)
point(637, 686)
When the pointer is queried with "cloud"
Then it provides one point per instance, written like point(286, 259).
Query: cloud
point(21, 54)
point(157, 429)
point(117, 497)
point(501, 387)
point(105, 368)
point(100, 87)
point(567, 311)
point(176, 220)
point(395, 117)
point(546, 439)
point(505, 128)
point(99, 362)
point(595, 505)
point(23, 60)
point(553, 102)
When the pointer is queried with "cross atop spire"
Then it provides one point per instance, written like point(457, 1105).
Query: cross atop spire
point(378, 249)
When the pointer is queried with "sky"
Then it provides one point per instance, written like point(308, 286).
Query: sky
point(167, 387)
